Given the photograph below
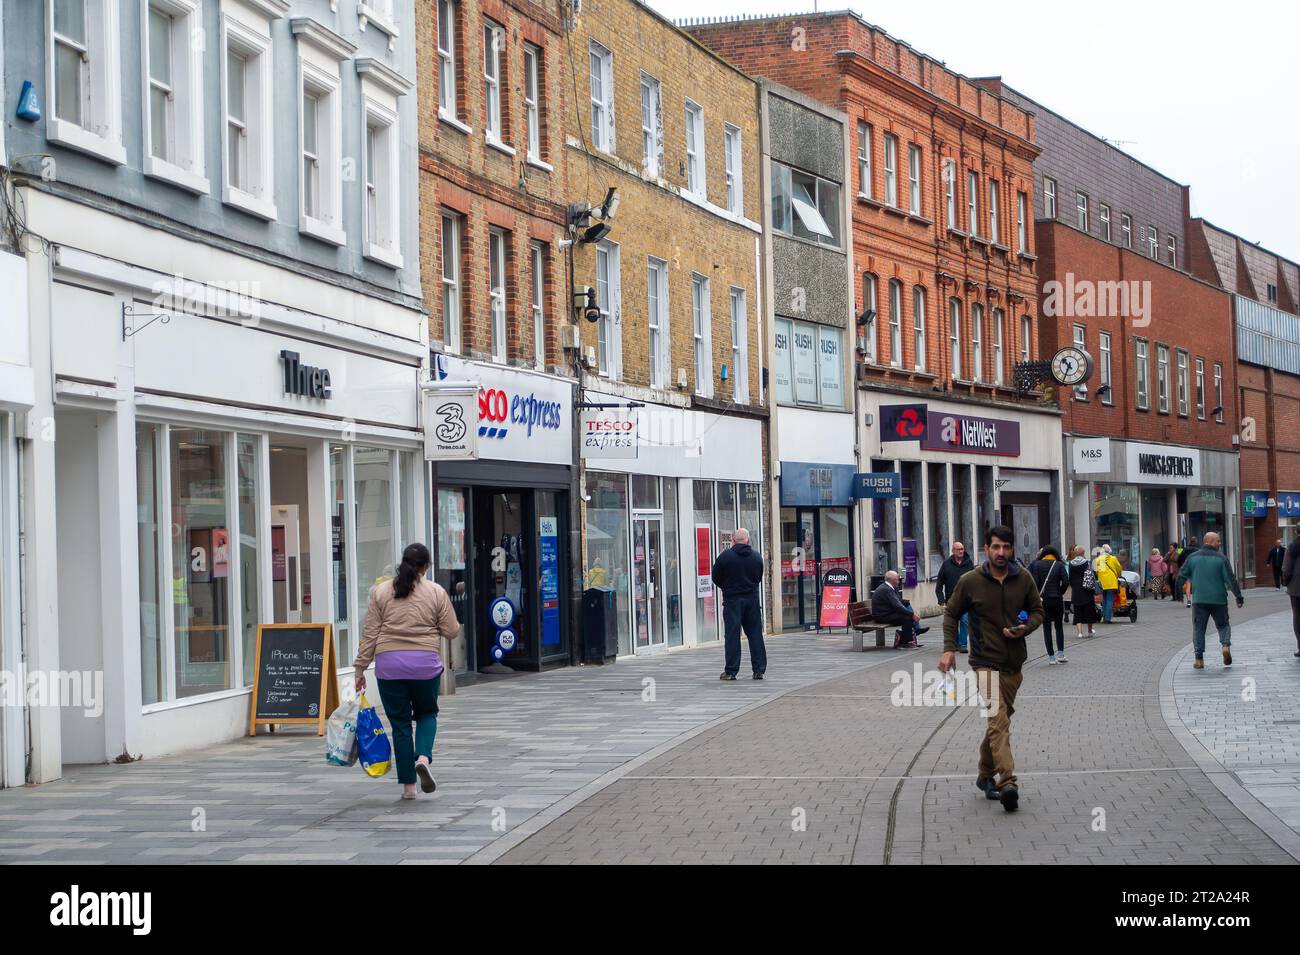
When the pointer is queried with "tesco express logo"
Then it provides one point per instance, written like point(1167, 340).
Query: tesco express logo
point(497, 411)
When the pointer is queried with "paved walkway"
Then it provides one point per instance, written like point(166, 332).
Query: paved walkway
point(1118, 751)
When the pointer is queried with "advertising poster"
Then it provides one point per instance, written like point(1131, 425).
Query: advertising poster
point(549, 558)
point(220, 553)
point(703, 560)
point(909, 563)
point(277, 553)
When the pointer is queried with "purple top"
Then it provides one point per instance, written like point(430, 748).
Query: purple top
point(408, 664)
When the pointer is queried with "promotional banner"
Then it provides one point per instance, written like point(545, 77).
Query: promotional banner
point(902, 422)
point(910, 563)
point(946, 431)
point(450, 422)
point(837, 585)
point(609, 433)
point(549, 559)
point(703, 560)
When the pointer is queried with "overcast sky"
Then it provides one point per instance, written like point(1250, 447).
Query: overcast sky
point(1207, 93)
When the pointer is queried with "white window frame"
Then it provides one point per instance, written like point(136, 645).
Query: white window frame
point(696, 176)
point(702, 335)
point(954, 337)
point(253, 47)
point(918, 327)
point(871, 303)
point(652, 126)
point(658, 321)
point(497, 305)
point(1171, 246)
point(973, 202)
point(1162, 378)
point(864, 160)
point(999, 320)
point(805, 209)
point(381, 199)
point(734, 158)
point(993, 211)
point(895, 323)
point(493, 59)
point(537, 295)
point(1153, 242)
point(602, 106)
point(447, 60)
point(1126, 229)
point(1049, 197)
point(891, 170)
point(1200, 389)
point(914, 179)
point(1081, 210)
point(99, 131)
point(533, 102)
point(320, 57)
point(184, 164)
point(609, 302)
point(1143, 362)
point(1184, 384)
point(451, 281)
point(1218, 392)
point(1104, 215)
point(1026, 335)
point(1022, 228)
point(739, 346)
point(1105, 368)
point(977, 341)
point(950, 192)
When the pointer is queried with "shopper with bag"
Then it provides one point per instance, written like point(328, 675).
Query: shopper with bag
point(1052, 579)
point(1083, 588)
point(406, 621)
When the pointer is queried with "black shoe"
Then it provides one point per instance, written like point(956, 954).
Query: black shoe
point(727, 676)
point(989, 787)
point(758, 676)
point(1010, 797)
point(920, 630)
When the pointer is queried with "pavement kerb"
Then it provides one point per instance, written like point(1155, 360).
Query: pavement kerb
point(1220, 775)
point(535, 823)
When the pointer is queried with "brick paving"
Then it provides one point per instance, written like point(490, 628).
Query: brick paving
point(1125, 756)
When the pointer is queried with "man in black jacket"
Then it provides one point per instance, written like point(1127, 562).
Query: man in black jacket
point(1291, 579)
point(889, 607)
point(1276, 558)
point(958, 563)
point(738, 572)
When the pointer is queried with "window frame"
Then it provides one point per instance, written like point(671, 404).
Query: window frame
point(918, 328)
point(1200, 389)
point(1022, 226)
point(253, 48)
point(733, 160)
point(891, 170)
point(452, 327)
point(1183, 381)
point(533, 74)
point(1218, 392)
point(914, 160)
point(447, 60)
point(382, 241)
point(790, 212)
point(993, 212)
point(1126, 229)
point(1105, 368)
point(1026, 337)
point(955, 347)
point(327, 88)
point(864, 160)
point(495, 55)
point(740, 345)
point(1162, 378)
point(1142, 363)
point(702, 334)
point(999, 332)
point(871, 303)
point(977, 341)
point(498, 306)
point(184, 166)
point(1049, 198)
point(895, 323)
point(658, 323)
point(950, 193)
point(1081, 211)
point(973, 202)
point(602, 124)
point(1153, 242)
point(610, 306)
point(1171, 246)
point(97, 130)
point(652, 146)
point(1103, 214)
point(537, 259)
point(697, 178)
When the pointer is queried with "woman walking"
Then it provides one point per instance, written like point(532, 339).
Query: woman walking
point(1156, 573)
point(1171, 570)
point(406, 621)
point(1052, 578)
point(1082, 592)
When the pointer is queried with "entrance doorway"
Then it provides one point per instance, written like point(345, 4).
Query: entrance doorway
point(647, 591)
point(814, 540)
point(290, 536)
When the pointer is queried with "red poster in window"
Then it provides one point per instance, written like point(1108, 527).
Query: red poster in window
point(277, 553)
point(220, 553)
point(703, 560)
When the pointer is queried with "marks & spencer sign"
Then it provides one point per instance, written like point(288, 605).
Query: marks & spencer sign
point(1163, 464)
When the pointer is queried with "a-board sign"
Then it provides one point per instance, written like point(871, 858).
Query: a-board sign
point(837, 587)
point(294, 679)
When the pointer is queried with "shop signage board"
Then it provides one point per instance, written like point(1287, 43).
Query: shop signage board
point(450, 421)
point(519, 415)
point(878, 485)
point(1090, 456)
point(549, 571)
point(1288, 503)
point(293, 676)
point(1254, 503)
point(837, 586)
point(903, 422)
point(968, 434)
point(1163, 464)
point(609, 433)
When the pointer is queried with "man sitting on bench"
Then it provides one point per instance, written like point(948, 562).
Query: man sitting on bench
point(889, 607)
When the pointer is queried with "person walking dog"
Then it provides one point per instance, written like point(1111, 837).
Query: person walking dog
point(1211, 577)
point(737, 572)
point(406, 621)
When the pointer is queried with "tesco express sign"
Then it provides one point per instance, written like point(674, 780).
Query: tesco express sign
point(521, 416)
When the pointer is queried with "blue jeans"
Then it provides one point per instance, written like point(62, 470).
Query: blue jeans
point(1201, 614)
point(963, 629)
point(738, 612)
point(1107, 604)
point(407, 701)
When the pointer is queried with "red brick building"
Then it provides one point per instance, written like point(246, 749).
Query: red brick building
point(946, 291)
point(1265, 292)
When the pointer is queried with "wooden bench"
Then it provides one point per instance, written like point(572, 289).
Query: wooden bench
point(861, 621)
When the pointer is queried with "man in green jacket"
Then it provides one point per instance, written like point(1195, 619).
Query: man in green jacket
point(1211, 577)
point(1004, 607)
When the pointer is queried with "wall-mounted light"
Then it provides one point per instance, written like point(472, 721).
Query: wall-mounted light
point(866, 317)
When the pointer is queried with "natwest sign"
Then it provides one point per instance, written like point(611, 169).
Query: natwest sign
point(522, 416)
point(1163, 464)
point(968, 434)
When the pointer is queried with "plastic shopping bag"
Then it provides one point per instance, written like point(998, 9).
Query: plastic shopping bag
point(372, 742)
point(341, 735)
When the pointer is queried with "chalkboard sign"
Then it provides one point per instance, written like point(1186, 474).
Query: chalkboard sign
point(294, 680)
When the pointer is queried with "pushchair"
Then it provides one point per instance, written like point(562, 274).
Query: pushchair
point(1126, 599)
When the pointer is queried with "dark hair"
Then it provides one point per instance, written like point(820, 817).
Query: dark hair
point(414, 559)
point(1002, 533)
point(1049, 550)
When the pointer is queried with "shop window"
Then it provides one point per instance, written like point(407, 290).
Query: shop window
point(372, 502)
point(781, 364)
point(706, 601)
point(148, 531)
point(672, 575)
point(1115, 517)
point(884, 527)
point(200, 562)
point(939, 500)
point(248, 458)
point(751, 513)
point(645, 493)
point(1248, 544)
point(338, 557)
point(450, 568)
point(607, 545)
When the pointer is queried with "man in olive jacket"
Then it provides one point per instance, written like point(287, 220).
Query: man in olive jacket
point(1004, 608)
point(1211, 578)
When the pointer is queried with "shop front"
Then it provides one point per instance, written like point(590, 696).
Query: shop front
point(962, 468)
point(502, 522)
point(658, 509)
point(816, 536)
point(1135, 496)
point(238, 463)
point(1266, 517)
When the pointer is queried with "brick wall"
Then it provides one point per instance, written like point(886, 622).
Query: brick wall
point(487, 187)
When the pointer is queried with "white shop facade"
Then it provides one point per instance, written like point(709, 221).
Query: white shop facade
point(654, 521)
point(221, 461)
